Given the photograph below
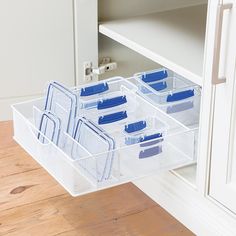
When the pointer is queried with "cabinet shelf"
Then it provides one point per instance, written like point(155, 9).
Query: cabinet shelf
point(175, 39)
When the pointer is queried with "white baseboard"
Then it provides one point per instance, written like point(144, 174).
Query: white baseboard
point(198, 213)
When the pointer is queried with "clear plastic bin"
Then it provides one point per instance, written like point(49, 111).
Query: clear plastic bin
point(187, 112)
point(174, 95)
point(91, 95)
point(112, 104)
point(169, 90)
point(80, 169)
point(148, 128)
point(114, 120)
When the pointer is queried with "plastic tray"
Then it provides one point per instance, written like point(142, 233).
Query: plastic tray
point(77, 167)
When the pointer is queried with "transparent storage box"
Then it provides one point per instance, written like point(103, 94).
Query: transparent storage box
point(92, 96)
point(172, 93)
point(96, 155)
point(144, 129)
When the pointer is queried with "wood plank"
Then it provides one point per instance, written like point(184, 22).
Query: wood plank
point(33, 218)
point(106, 212)
point(27, 187)
point(123, 210)
point(6, 134)
point(33, 203)
point(102, 206)
point(15, 160)
point(84, 211)
point(150, 222)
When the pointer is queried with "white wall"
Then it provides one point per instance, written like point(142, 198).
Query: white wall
point(36, 45)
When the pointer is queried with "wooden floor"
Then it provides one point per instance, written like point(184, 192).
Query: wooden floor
point(33, 203)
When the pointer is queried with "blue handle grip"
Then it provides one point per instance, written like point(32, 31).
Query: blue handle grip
point(150, 152)
point(159, 86)
point(155, 76)
point(137, 126)
point(95, 89)
point(151, 143)
point(180, 95)
point(107, 119)
point(150, 137)
point(112, 102)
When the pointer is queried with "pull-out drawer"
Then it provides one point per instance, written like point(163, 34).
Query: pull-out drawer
point(114, 149)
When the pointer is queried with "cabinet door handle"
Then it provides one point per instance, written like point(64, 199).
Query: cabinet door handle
point(218, 35)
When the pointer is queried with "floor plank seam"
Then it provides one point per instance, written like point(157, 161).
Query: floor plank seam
point(49, 210)
point(34, 202)
point(113, 219)
point(26, 171)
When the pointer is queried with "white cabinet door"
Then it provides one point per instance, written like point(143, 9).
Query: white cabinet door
point(223, 163)
point(36, 45)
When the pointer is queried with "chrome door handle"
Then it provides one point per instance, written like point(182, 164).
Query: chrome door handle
point(217, 46)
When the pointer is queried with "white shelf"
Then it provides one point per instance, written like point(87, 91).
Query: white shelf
point(173, 39)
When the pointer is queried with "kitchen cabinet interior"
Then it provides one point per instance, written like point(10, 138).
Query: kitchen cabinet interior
point(183, 37)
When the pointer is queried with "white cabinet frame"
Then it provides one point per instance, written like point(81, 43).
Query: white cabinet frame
point(86, 36)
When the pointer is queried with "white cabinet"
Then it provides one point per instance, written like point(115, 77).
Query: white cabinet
point(223, 162)
point(183, 36)
point(174, 38)
point(121, 162)
point(180, 43)
point(152, 34)
point(37, 45)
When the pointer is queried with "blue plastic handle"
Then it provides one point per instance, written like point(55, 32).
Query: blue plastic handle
point(151, 143)
point(137, 126)
point(159, 86)
point(150, 137)
point(155, 76)
point(111, 102)
point(95, 89)
point(150, 152)
point(107, 119)
point(180, 95)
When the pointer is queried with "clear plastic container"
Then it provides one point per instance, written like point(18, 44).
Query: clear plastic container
point(169, 90)
point(63, 103)
point(126, 101)
point(114, 120)
point(186, 112)
point(91, 95)
point(148, 128)
point(174, 95)
point(90, 164)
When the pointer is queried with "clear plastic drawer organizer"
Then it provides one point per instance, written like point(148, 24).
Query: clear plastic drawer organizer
point(100, 135)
